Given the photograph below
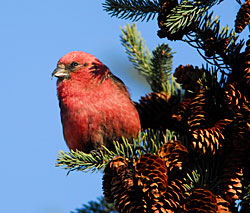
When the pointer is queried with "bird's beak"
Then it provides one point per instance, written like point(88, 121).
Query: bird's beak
point(61, 72)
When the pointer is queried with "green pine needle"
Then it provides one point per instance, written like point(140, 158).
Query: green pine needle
point(132, 10)
point(208, 23)
point(161, 66)
point(184, 15)
point(223, 59)
point(100, 206)
point(203, 173)
point(155, 66)
point(136, 49)
point(147, 142)
point(77, 160)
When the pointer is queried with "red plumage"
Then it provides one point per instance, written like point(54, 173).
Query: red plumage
point(95, 105)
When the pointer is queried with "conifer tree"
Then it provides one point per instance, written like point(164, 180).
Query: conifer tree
point(192, 154)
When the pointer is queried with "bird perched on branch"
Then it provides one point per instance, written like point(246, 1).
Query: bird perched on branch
point(95, 105)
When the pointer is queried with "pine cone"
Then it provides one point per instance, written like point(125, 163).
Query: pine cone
point(197, 118)
point(222, 45)
point(116, 174)
point(209, 42)
point(191, 114)
point(188, 76)
point(222, 205)
point(236, 165)
point(180, 111)
point(201, 200)
point(232, 178)
point(211, 139)
point(175, 195)
point(212, 45)
point(233, 97)
point(238, 67)
point(154, 110)
point(246, 71)
point(233, 186)
point(241, 109)
point(241, 131)
point(242, 17)
point(107, 184)
point(175, 156)
point(151, 174)
point(118, 186)
point(152, 179)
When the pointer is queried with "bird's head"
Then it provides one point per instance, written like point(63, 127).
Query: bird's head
point(78, 63)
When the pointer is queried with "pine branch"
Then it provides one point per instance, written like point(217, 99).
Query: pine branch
point(136, 49)
point(161, 66)
point(177, 20)
point(77, 160)
point(156, 66)
point(147, 142)
point(203, 173)
point(223, 44)
point(184, 15)
point(173, 87)
point(191, 18)
point(133, 10)
point(100, 206)
point(218, 43)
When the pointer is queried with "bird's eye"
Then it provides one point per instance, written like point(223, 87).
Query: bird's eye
point(74, 64)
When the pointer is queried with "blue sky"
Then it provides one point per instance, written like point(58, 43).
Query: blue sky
point(34, 35)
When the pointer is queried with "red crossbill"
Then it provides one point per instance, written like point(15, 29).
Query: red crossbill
point(95, 104)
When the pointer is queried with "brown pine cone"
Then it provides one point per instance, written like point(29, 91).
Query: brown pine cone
point(209, 42)
point(222, 45)
point(233, 96)
point(189, 77)
point(201, 200)
point(151, 173)
point(197, 117)
point(222, 205)
point(175, 195)
point(154, 110)
point(191, 114)
point(242, 17)
point(246, 71)
point(119, 187)
point(211, 139)
point(116, 174)
point(240, 106)
point(107, 185)
point(233, 174)
point(212, 45)
point(152, 179)
point(241, 131)
point(180, 111)
point(175, 156)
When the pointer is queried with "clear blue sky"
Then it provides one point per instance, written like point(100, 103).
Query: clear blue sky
point(34, 35)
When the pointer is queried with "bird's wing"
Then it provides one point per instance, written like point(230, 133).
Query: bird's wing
point(106, 74)
point(119, 83)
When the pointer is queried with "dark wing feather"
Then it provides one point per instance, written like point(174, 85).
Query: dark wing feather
point(119, 83)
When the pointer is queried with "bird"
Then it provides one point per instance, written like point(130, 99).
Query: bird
point(95, 105)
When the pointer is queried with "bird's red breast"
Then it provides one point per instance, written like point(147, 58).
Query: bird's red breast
point(95, 105)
